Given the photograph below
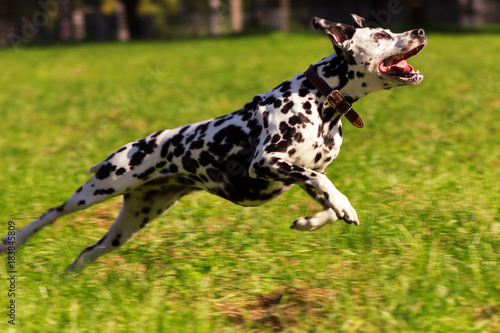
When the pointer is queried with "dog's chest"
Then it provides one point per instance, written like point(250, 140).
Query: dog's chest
point(297, 127)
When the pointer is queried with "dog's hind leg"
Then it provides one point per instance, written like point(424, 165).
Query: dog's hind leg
point(139, 208)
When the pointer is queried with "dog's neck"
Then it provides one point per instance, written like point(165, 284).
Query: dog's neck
point(347, 78)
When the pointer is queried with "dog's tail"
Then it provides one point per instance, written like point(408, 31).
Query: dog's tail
point(95, 167)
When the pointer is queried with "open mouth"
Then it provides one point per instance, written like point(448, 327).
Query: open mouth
point(397, 67)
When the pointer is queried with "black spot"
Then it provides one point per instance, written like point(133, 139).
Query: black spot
point(109, 157)
point(146, 173)
point(161, 164)
point(146, 210)
point(179, 150)
point(350, 74)
point(137, 159)
point(154, 135)
point(359, 74)
point(278, 103)
point(121, 149)
point(265, 118)
point(164, 148)
point(253, 104)
point(220, 149)
point(104, 191)
point(298, 119)
point(328, 114)
point(219, 121)
point(176, 139)
point(288, 106)
point(307, 87)
point(231, 134)
point(285, 86)
point(270, 100)
point(252, 124)
point(81, 203)
point(329, 141)
point(206, 158)
point(318, 157)
point(120, 171)
point(298, 137)
point(278, 147)
point(189, 164)
point(144, 146)
point(201, 129)
point(291, 152)
point(284, 167)
point(287, 132)
point(190, 138)
point(245, 114)
point(105, 171)
point(197, 145)
point(79, 189)
point(363, 84)
point(298, 176)
point(303, 92)
point(116, 241)
point(276, 138)
point(173, 168)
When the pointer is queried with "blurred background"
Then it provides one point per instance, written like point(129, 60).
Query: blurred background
point(45, 21)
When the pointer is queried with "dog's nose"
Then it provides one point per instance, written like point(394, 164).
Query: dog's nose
point(418, 32)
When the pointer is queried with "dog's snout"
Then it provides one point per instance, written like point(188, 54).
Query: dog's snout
point(418, 32)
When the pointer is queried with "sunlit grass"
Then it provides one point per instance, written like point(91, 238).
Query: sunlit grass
point(423, 176)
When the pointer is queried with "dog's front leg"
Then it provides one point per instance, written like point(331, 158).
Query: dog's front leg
point(278, 169)
point(318, 220)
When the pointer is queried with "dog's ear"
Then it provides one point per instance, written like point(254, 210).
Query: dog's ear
point(359, 20)
point(337, 32)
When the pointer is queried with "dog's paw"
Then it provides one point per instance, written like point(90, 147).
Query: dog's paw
point(302, 224)
point(314, 222)
point(345, 211)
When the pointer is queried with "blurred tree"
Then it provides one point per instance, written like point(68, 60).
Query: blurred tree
point(213, 17)
point(285, 15)
point(133, 19)
point(236, 16)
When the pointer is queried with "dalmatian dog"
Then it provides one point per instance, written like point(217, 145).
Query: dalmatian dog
point(282, 138)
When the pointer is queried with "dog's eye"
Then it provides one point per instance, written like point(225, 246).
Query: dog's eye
point(381, 35)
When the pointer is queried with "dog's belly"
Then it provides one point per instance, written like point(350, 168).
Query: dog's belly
point(246, 191)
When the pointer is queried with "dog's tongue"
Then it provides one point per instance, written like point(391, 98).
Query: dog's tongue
point(403, 66)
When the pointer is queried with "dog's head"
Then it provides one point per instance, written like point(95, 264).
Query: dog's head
point(376, 52)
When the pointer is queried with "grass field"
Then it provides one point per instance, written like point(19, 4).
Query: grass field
point(423, 175)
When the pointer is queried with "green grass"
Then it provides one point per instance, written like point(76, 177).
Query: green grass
point(423, 176)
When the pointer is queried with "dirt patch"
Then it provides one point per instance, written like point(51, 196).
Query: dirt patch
point(279, 309)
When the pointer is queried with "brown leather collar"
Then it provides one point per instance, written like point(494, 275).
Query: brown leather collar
point(334, 98)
